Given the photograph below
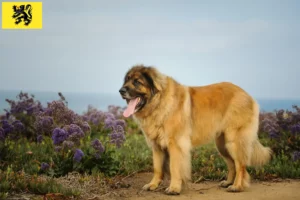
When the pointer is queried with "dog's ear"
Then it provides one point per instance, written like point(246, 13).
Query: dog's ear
point(154, 79)
point(150, 82)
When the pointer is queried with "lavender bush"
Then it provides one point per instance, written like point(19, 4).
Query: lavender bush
point(283, 130)
point(84, 143)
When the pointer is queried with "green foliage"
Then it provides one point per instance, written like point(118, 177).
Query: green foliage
point(207, 163)
point(28, 156)
point(134, 155)
point(281, 166)
point(104, 164)
point(11, 181)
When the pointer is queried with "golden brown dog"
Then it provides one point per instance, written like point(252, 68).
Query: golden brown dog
point(175, 118)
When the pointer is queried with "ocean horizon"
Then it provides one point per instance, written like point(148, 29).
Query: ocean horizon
point(79, 102)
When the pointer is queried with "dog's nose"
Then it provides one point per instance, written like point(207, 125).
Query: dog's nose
point(123, 90)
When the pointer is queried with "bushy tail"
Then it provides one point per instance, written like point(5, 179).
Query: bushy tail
point(260, 155)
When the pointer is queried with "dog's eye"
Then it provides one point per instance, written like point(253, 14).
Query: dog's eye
point(136, 82)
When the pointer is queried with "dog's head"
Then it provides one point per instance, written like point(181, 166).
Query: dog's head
point(139, 87)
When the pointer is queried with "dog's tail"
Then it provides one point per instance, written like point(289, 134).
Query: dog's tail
point(260, 155)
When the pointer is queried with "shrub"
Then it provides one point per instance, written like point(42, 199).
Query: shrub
point(55, 140)
point(283, 131)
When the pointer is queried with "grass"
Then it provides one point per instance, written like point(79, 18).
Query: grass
point(19, 182)
point(207, 163)
point(134, 156)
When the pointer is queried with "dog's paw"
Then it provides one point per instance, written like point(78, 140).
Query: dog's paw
point(150, 187)
point(233, 188)
point(224, 184)
point(172, 191)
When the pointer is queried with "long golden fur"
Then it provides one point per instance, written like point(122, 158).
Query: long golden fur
point(175, 118)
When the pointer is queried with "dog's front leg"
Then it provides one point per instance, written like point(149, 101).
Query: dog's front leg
point(175, 170)
point(180, 166)
point(158, 160)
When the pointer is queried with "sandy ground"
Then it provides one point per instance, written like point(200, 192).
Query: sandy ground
point(130, 189)
point(273, 190)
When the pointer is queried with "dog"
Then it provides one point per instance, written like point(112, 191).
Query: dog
point(175, 118)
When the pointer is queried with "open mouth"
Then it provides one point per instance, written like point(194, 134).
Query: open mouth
point(133, 105)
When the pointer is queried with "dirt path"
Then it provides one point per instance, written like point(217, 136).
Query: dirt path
point(281, 190)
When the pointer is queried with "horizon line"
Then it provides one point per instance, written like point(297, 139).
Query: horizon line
point(116, 94)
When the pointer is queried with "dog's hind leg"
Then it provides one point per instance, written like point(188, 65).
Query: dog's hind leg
point(220, 143)
point(238, 145)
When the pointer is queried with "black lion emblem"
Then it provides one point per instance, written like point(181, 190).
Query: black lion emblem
point(22, 12)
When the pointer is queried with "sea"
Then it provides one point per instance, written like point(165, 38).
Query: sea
point(79, 102)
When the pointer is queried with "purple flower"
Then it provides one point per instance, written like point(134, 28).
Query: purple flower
point(44, 124)
point(18, 126)
point(61, 113)
point(117, 138)
point(59, 135)
point(95, 116)
point(24, 104)
point(274, 134)
point(48, 111)
point(30, 109)
point(75, 138)
point(120, 122)
point(295, 129)
point(4, 122)
point(78, 155)
point(296, 155)
point(75, 129)
point(109, 116)
point(47, 121)
point(68, 144)
point(86, 127)
point(39, 138)
point(57, 148)
point(115, 110)
point(2, 134)
point(85, 118)
point(7, 127)
point(270, 125)
point(75, 133)
point(97, 145)
point(109, 123)
point(44, 166)
point(95, 120)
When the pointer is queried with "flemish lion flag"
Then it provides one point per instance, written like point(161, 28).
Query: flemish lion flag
point(22, 15)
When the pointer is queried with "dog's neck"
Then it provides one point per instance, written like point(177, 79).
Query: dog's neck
point(156, 101)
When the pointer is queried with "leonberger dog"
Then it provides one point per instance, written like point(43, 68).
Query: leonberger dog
point(174, 118)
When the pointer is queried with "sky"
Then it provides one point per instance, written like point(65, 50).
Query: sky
point(88, 46)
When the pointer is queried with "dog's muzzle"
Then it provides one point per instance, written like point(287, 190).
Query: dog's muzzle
point(123, 91)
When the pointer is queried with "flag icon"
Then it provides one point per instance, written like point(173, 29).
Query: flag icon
point(22, 15)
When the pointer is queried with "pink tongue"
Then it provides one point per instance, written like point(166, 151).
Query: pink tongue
point(130, 108)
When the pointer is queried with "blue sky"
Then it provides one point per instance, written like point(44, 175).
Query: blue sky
point(87, 46)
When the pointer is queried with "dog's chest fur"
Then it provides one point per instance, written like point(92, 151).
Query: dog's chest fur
point(154, 132)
